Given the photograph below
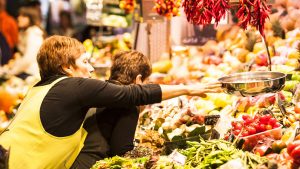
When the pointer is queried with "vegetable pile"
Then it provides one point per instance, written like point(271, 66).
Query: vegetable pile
point(117, 162)
point(214, 153)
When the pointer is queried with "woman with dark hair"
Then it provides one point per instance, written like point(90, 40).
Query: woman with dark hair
point(114, 124)
point(31, 37)
point(47, 131)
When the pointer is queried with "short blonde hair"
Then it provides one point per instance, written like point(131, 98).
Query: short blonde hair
point(57, 52)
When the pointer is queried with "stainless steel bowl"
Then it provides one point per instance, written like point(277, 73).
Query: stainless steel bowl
point(253, 83)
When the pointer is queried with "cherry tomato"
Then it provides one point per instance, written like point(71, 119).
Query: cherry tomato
point(251, 130)
point(238, 126)
point(245, 133)
point(245, 117)
point(297, 108)
point(272, 121)
point(268, 117)
point(256, 117)
point(262, 127)
point(236, 132)
point(263, 120)
point(248, 121)
point(276, 125)
point(233, 123)
point(269, 127)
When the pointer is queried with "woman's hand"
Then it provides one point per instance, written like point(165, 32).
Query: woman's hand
point(170, 91)
point(201, 89)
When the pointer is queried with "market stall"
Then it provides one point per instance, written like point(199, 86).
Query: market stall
point(254, 123)
point(255, 127)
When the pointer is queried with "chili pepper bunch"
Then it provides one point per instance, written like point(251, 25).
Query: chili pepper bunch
point(254, 13)
point(202, 12)
point(127, 5)
point(167, 8)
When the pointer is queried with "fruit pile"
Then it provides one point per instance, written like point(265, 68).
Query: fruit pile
point(168, 8)
point(127, 5)
point(253, 125)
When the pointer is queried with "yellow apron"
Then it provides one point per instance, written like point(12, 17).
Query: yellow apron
point(31, 147)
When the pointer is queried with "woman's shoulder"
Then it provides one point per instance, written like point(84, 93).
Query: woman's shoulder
point(79, 81)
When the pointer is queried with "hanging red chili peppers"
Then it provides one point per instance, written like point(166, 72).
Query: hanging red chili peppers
point(250, 12)
point(167, 8)
point(202, 12)
point(127, 5)
point(254, 13)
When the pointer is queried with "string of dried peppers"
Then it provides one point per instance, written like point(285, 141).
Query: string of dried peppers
point(167, 8)
point(202, 12)
point(254, 13)
point(250, 12)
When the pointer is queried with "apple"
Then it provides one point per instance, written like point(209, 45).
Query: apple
point(261, 60)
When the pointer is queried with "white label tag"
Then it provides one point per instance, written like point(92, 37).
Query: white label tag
point(177, 157)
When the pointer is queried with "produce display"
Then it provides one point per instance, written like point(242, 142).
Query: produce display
point(214, 153)
point(127, 5)
point(167, 8)
point(12, 92)
point(120, 162)
point(221, 130)
point(102, 48)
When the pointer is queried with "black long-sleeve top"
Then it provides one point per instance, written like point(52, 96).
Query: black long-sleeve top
point(67, 102)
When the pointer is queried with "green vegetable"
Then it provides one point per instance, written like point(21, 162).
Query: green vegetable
point(117, 162)
point(214, 153)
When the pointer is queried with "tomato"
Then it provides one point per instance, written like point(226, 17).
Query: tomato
point(238, 126)
point(292, 146)
point(263, 120)
point(245, 133)
point(248, 121)
point(272, 121)
point(278, 145)
point(268, 117)
point(233, 123)
point(256, 117)
point(245, 117)
point(262, 127)
point(251, 130)
point(269, 127)
point(276, 125)
point(297, 108)
point(236, 132)
point(295, 154)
